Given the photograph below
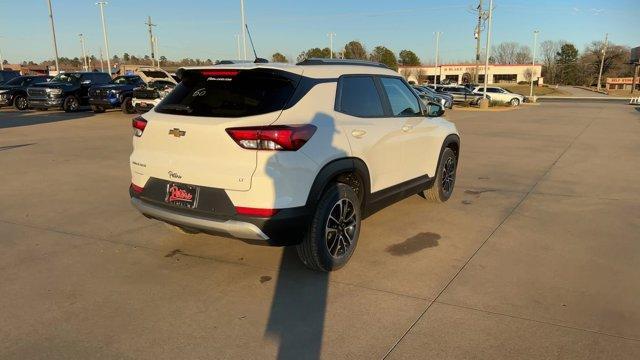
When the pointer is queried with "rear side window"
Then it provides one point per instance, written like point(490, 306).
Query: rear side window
point(358, 96)
point(230, 93)
point(402, 100)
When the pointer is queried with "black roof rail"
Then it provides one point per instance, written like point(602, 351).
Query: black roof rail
point(321, 61)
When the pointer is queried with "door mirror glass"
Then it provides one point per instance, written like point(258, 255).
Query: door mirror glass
point(434, 110)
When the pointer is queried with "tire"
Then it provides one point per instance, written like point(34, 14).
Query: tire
point(317, 250)
point(20, 102)
point(442, 188)
point(97, 109)
point(127, 106)
point(42, 109)
point(71, 104)
point(515, 102)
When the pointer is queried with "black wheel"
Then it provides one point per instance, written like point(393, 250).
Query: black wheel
point(97, 109)
point(127, 106)
point(515, 102)
point(334, 230)
point(71, 104)
point(442, 188)
point(20, 102)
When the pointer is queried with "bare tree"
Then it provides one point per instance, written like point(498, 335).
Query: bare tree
point(548, 52)
point(505, 53)
point(523, 55)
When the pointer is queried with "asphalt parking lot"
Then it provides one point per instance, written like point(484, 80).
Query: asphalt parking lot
point(536, 256)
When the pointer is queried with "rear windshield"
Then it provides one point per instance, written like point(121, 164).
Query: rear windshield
point(230, 93)
point(155, 74)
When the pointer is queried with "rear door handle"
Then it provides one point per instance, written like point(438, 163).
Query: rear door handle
point(358, 133)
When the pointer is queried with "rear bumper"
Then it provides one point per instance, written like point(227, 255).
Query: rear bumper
point(238, 229)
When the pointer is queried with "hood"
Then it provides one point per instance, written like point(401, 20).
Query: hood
point(53, 85)
point(8, 87)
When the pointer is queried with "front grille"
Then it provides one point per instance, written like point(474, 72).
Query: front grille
point(99, 93)
point(145, 94)
point(37, 92)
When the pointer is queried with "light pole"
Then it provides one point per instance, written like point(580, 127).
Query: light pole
point(104, 33)
point(1, 61)
point(487, 54)
point(101, 61)
point(53, 32)
point(153, 56)
point(435, 71)
point(331, 35)
point(84, 53)
point(155, 46)
point(478, 34)
point(533, 64)
point(244, 29)
point(604, 51)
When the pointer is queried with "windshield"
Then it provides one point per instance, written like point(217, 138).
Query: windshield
point(230, 93)
point(124, 80)
point(15, 81)
point(66, 78)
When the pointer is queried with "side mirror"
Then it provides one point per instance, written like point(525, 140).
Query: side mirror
point(86, 82)
point(434, 110)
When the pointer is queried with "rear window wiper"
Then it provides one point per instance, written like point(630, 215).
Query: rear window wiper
point(177, 107)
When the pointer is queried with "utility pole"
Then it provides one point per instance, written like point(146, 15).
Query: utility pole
point(244, 29)
point(435, 71)
point(101, 61)
point(331, 35)
point(53, 32)
point(104, 33)
point(237, 36)
point(84, 53)
point(151, 25)
point(604, 51)
point(155, 46)
point(533, 64)
point(477, 34)
point(487, 53)
point(1, 61)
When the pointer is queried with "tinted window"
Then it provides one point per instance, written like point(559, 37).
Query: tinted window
point(359, 97)
point(17, 81)
point(403, 101)
point(230, 93)
point(40, 79)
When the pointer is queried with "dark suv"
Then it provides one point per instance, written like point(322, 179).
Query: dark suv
point(6, 75)
point(14, 91)
point(68, 91)
point(117, 93)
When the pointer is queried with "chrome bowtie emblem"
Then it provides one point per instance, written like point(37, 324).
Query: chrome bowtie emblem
point(177, 132)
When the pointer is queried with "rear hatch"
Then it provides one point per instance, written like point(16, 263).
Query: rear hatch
point(185, 139)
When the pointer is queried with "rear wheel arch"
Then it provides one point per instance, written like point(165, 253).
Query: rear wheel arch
point(350, 171)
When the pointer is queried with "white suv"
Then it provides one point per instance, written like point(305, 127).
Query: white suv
point(289, 154)
point(500, 94)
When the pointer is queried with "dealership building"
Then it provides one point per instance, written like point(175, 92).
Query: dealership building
point(464, 73)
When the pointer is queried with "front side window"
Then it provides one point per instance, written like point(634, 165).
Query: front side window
point(230, 93)
point(359, 96)
point(402, 100)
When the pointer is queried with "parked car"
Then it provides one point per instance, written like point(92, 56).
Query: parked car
point(500, 94)
point(68, 91)
point(150, 95)
point(119, 92)
point(6, 75)
point(14, 91)
point(285, 154)
point(460, 94)
point(441, 98)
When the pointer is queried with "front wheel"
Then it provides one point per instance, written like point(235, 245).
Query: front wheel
point(442, 188)
point(515, 102)
point(97, 109)
point(334, 230)
point(71, 104)
point(20, 102)
point(127, 106)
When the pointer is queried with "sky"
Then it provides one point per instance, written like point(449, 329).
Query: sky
point(206, 29)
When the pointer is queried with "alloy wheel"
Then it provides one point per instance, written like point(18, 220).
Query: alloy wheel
point(341, 228)
point(21, 103)
point(448, 175)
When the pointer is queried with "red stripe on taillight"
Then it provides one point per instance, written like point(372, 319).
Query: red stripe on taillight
point(219, 72)
point(277, 137)
point(136, 189)
point(256, 212)
point(139, 124)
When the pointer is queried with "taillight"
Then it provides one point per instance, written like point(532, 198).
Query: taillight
point(256, 212)
point(278, 137)
point(138, 123)
point(136, 189)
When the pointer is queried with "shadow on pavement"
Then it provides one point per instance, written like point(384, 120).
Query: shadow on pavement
point(10, 119)
point(298, 309)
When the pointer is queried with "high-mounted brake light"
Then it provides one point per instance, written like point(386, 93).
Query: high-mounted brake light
point(256, 212)
point(138, 123)
point(278, 137)
point(226, 73)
